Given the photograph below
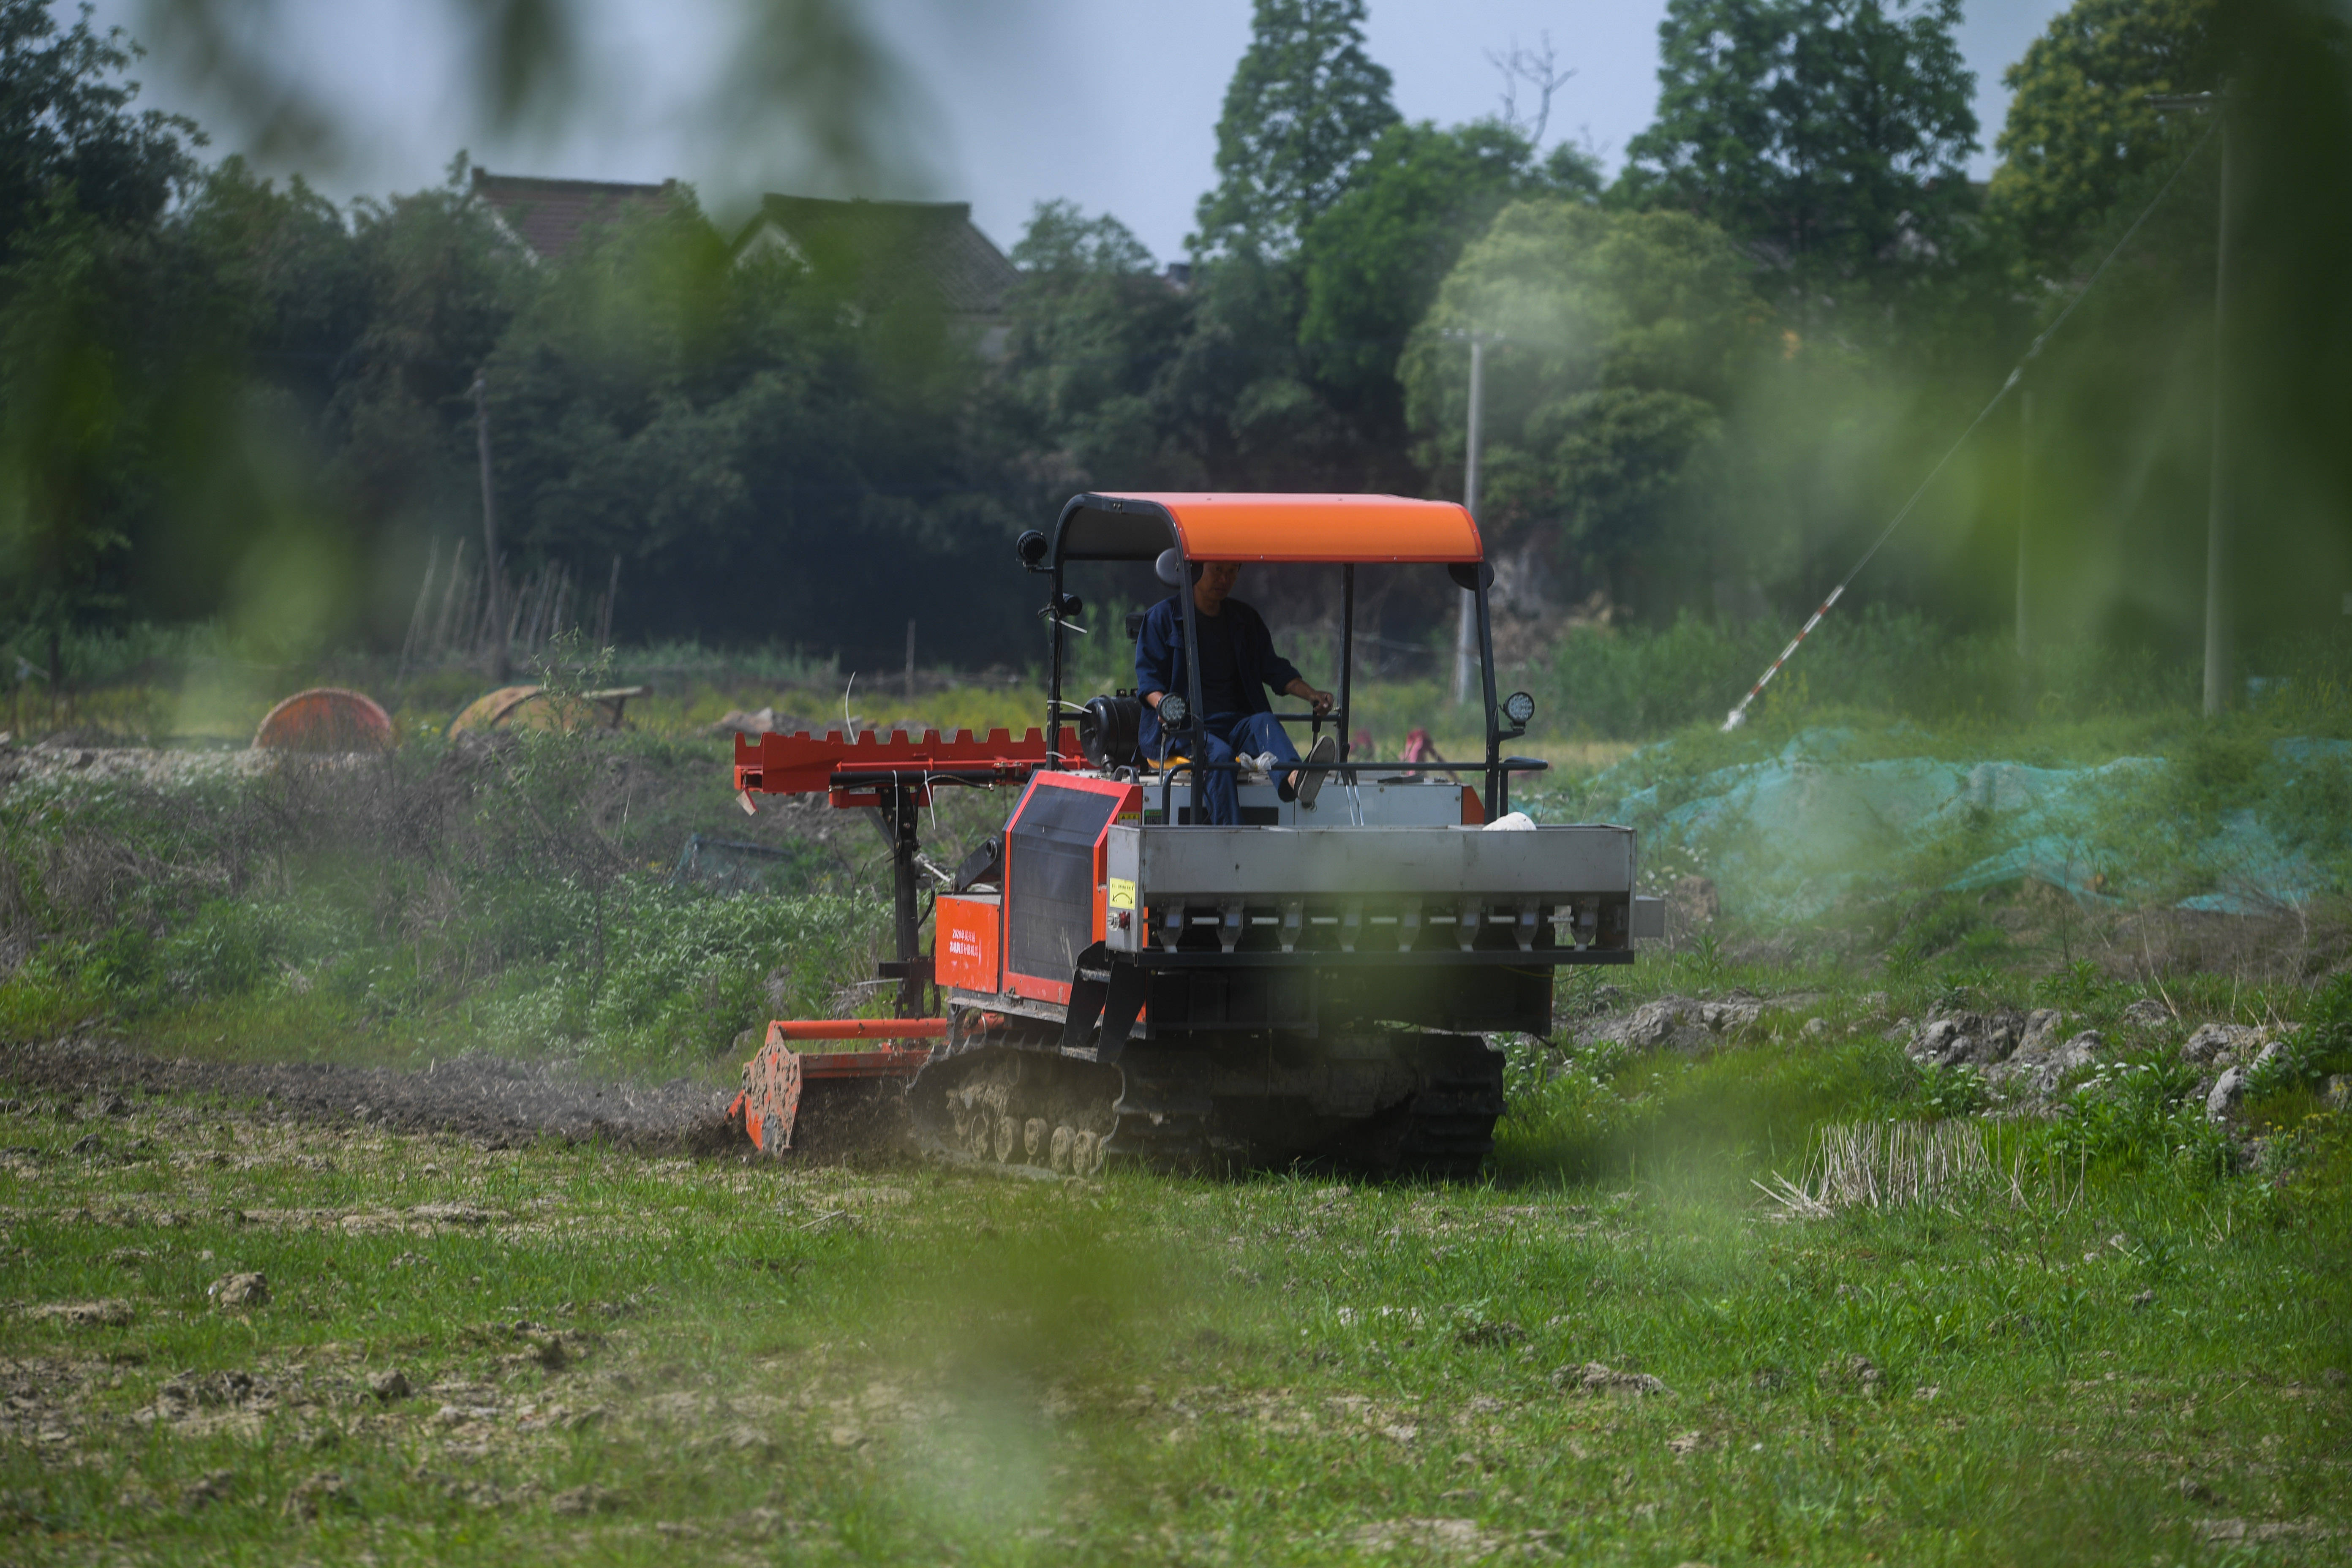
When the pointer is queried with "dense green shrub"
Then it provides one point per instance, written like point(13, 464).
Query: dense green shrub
point(2141, 1112)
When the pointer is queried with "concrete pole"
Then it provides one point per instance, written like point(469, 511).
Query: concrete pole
point(2024, 518)
point(2218, 629)
point(492, 565)
point(1466, 634)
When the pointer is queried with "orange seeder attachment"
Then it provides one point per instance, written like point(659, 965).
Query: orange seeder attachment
point(770, 1101)
point(894, 775)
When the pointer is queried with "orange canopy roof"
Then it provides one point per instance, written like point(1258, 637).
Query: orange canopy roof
point(1209, 527)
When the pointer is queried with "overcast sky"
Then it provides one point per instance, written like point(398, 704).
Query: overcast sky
point(1110, 103)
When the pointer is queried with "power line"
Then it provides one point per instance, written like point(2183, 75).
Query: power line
point(1738, 715)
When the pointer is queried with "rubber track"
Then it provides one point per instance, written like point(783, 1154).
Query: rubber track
point(1450, 1128)
point(1163, 1111)
point(1165, 1118)
point(931, 1118)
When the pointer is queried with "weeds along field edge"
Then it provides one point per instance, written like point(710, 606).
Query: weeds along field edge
point(518, 895)
point(1629, 684)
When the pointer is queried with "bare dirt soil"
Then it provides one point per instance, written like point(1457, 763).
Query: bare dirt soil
point(486, 1098)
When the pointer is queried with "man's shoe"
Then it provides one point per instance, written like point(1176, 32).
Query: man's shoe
point(1310, 784)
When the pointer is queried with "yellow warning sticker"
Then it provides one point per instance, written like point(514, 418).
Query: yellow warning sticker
point(1122, 893)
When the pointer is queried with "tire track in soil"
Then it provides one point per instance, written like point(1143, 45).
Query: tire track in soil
point(486, 1098)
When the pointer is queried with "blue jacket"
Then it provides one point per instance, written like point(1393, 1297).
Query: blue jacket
point(1160, 658)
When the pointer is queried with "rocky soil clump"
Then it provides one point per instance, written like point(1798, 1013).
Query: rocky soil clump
point(2028, 1059)
point(2024, 1056)
point(1690, 1024)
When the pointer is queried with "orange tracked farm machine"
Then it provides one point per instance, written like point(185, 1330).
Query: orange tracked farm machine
point(1113, 980)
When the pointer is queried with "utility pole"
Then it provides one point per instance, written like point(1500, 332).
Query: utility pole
point(492, 567)
point(2220, 639)
point(1465, 631)
point(2024, 518)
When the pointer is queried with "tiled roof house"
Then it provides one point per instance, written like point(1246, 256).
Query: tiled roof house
point(890, 247)
point(893, 247)
point(547, 217)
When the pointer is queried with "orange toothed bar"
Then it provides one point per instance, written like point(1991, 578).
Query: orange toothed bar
point(847, 768)
point(857, 1028)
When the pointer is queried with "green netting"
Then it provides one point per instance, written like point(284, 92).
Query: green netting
point(1790, 836)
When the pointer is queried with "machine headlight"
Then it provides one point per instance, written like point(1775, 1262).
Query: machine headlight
point(1173, 710)
point(1518, 707)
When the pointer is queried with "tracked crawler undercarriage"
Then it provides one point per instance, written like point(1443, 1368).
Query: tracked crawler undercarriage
point(1003, 1094)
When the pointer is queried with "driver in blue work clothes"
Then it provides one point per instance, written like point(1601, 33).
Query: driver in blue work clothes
point(1238, 664)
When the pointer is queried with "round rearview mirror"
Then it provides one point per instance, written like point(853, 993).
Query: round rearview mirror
point(1170, 567)
point(1073, 607)
point(1518, 707)
point(1031, 548)
point(1173, 710)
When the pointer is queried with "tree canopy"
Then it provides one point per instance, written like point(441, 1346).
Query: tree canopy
point(1372, 262)
point(67, 132)
point(88, 324)
point(1626, 337)
point(1094, 326)
point(1301, 113)
point(1828, 135)
point(753, 452)
point(2081, 130)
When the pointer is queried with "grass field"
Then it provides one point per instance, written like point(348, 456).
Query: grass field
point(607, 1357)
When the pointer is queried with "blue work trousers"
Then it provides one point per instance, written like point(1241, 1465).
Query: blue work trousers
point(1229, 734)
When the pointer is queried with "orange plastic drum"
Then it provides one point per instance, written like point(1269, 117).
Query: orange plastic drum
point(326, 719)
point(536, 708)
point(493, 709)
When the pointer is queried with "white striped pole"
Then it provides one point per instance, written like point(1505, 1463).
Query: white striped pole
point(1738, 715)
